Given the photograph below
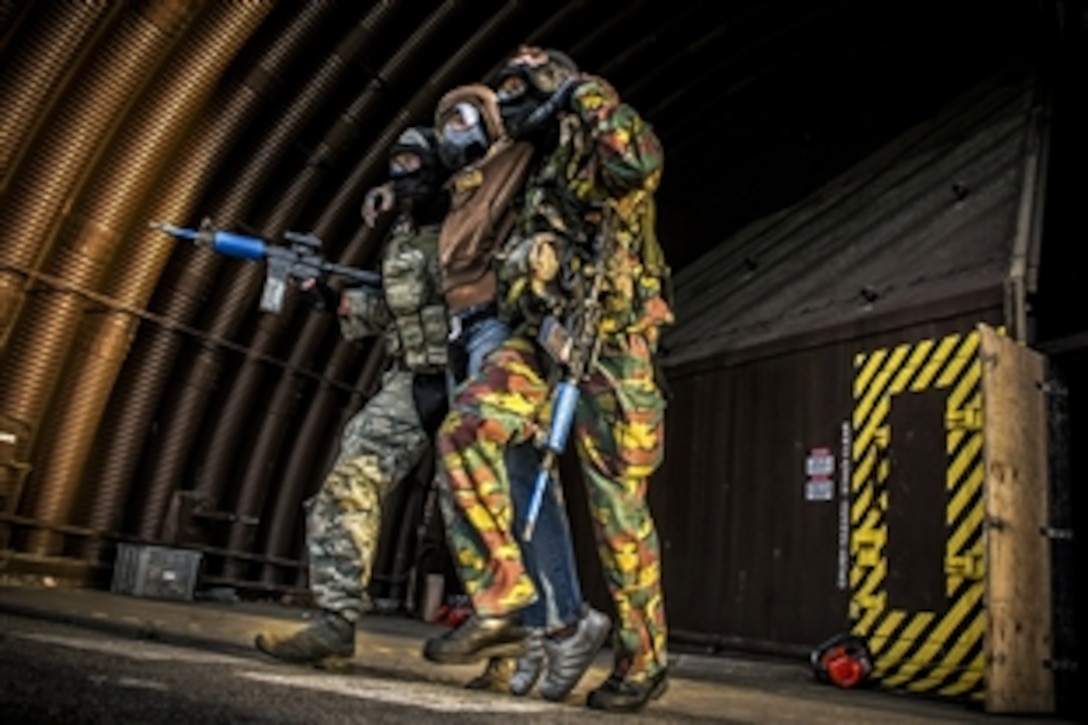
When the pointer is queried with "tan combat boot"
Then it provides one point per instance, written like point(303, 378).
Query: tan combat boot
point(328, 643)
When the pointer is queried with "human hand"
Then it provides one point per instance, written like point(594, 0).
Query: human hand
point(378, 201)
point(317, 293)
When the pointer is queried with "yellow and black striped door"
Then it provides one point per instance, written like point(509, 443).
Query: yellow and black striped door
point(916, 515)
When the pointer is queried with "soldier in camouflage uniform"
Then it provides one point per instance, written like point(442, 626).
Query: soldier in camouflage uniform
point(593, 186)
point(488, 175)
point(384, 441)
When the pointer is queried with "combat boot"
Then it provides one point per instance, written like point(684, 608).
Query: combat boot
point(328, 643)
point(478, 638)
point(620, 695)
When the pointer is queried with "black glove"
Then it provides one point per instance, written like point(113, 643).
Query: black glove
point(320, 296)
point(546, 111)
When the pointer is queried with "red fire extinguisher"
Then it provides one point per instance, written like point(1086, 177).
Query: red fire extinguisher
point(844, 660)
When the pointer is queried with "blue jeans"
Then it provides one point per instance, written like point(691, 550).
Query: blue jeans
point(549, 556)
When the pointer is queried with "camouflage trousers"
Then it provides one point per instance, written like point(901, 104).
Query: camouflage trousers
point(618, 432)
point(380, 446)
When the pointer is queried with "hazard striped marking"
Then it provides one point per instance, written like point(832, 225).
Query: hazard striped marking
point(920, 651)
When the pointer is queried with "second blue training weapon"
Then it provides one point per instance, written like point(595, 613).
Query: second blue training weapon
point(301, 261)
point(575, 346)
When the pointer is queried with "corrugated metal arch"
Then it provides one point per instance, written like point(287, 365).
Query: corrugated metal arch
point(300, 107)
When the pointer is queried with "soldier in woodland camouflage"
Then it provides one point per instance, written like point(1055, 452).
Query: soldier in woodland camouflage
point(600, 166)
point(384, 441)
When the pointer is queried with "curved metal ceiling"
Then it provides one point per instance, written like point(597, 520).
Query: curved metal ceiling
point(135, 369)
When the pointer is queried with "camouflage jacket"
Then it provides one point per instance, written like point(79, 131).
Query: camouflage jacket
point(598, 180)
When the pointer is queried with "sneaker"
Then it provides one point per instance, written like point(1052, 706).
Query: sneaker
point(530, 665)
point(568, 659)
point(495, 677)
point(478, 638)
point(328, 643)
point(619, 695)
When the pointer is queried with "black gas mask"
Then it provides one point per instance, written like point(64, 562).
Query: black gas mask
point(413, 166)
point(417, 176)
point(530, 82)
point(462, 136)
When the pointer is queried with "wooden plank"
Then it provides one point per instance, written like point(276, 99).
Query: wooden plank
point(1018, 590)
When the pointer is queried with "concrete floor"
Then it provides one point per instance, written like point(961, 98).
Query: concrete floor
point(702, 688)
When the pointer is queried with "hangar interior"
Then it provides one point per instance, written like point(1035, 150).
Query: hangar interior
point(145, 399)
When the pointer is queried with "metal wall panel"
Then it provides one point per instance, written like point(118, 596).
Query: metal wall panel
point(929, 215)
point(758, 554)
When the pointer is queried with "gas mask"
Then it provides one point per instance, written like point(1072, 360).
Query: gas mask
point(528, 81)
point(462, 136)
point(412, 166)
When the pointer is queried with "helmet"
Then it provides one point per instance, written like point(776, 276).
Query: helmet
point(543, 71)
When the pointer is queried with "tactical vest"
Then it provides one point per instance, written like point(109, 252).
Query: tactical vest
point(412, 286)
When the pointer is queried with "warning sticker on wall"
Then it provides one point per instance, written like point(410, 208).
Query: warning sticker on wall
point(819, 469)
point(819, 490)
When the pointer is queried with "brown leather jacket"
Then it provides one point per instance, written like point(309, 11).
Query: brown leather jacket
point(482, 206)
